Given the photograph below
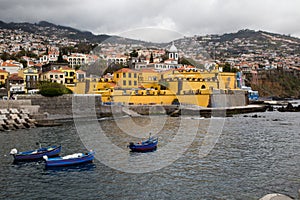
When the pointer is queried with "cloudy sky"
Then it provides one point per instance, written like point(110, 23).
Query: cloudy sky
point(159, 19)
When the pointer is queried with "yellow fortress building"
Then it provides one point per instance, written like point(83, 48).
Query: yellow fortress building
point(149, 87)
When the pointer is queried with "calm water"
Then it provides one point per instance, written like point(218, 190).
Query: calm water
point(252, 157)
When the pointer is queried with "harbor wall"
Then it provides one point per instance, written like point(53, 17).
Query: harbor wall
point(71, 105)
point(232, 99)
point(84, 105)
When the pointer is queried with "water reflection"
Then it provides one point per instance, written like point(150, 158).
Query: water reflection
point(69, 169)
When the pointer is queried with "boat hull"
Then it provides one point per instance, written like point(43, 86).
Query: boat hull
point(31, 155)
point(60, 162)
point(144, 146)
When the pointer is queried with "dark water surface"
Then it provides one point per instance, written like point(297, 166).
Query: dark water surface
point(252, 157)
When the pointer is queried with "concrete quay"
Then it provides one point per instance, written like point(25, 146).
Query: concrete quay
point(190, 110)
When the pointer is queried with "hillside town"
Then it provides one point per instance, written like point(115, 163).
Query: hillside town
point(28, 58)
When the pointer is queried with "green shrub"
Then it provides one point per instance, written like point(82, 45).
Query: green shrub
point(49, 89)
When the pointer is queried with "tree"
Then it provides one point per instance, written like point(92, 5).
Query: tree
point(24, 63)
point(134, 53)
point(226, 67)
point(151, 58)
point(49, 89)
point(47, 51)
point(60, 58)
point(5, 56)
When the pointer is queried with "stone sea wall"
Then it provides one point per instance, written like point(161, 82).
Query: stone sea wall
point(71, 105)
point(230, 99)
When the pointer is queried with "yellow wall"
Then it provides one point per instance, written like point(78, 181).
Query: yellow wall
point(3, 77)
point(149, 79)
point(79, 88)
point(167, 99)
point(228, 81)
point(30, 74)
point(70, 75)
point(126, 78)
point(196, 87)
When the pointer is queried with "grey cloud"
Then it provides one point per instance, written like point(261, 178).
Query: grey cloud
point(187, 17)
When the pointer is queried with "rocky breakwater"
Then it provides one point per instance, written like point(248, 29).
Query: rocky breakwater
point(12, 118)
point(289, 108)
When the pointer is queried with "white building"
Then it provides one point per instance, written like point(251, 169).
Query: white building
point(11, 66)
point(173, 54)
point(117, 59)
point(77, 59)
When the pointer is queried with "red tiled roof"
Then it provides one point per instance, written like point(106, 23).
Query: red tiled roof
point(15, 77)
point(5, 64)
point(80, 72)
point(66, 68)
point(124, 70)
point(38, 65)
point(3, 71)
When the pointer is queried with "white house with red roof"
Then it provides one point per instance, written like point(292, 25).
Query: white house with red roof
point(80, 75)
point(11, 66)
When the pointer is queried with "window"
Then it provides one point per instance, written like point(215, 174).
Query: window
point(71, 73)
point(66, 73)
point(2, 77)
point(56, 76)
point(117, 75)
point(129, 83)
point(134, 75)
point(135, 83)
point(51, 76)
point(124, 75)
point(124, 83)
point(129, 75)
point(61, 76)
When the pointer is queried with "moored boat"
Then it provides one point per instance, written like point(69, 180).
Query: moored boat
point(73, 159)
point(36, 154)
point(144, 146)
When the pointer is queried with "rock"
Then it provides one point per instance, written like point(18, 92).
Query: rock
point(176, 113)
point(275, 197)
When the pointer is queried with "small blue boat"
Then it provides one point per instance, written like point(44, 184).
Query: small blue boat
point(73, 159)
point(144, 146)
point(36, 154)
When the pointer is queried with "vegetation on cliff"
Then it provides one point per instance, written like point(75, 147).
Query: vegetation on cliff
point(278, 84)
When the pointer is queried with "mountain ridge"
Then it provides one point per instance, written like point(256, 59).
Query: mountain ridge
point(91, 37)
